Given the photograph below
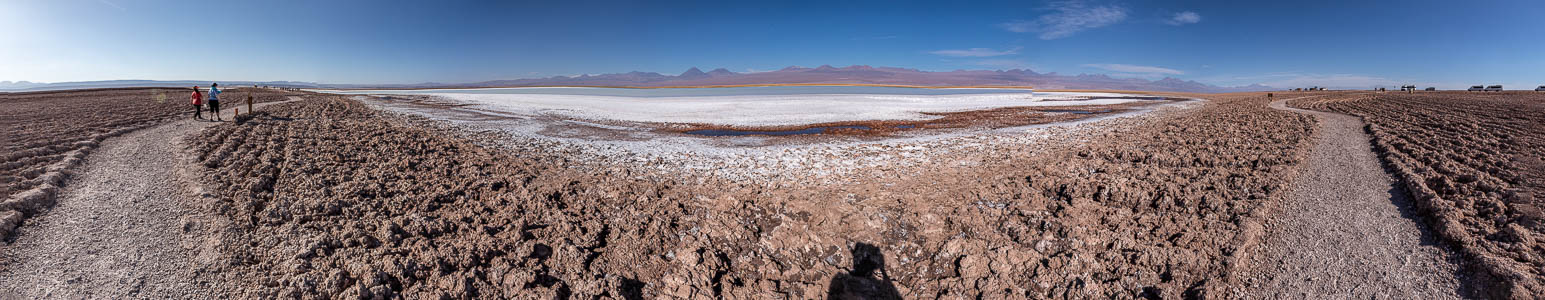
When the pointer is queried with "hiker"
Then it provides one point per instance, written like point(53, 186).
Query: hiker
point(198, 104)
point(214, 99)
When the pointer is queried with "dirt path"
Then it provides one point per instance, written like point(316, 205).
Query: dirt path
point(1347, 231)
point(118, 228)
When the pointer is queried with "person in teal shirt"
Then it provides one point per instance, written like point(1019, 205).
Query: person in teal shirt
point(214, 99)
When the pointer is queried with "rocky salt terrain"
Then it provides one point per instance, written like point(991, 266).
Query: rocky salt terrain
point(330, 198)
point(1475, 165)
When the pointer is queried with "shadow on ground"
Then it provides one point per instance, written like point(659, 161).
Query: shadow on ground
point(860, 283)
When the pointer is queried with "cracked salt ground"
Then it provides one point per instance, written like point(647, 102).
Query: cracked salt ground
point(834, 161)
point(375, 204)
point(1083, 220)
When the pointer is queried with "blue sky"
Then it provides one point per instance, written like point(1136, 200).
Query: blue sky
point(1449, 44)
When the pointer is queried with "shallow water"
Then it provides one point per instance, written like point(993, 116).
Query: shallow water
point(743, 107)
point(1076, 111)
point(705, 92)
point(811, 130)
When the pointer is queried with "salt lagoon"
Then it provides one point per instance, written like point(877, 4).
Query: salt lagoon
point(750, 106)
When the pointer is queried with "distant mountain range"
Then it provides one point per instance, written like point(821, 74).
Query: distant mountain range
point(876, 75)
point(24, 86)
point(790, 75)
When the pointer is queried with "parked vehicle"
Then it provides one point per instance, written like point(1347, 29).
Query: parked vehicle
point(1540, 89)
point(1429, 89)
point(1476, 88)
point(1494, 88)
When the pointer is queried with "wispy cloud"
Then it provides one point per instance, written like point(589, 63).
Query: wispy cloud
point(1183, 18)
point(1291, 80)
point(1135, 69)
point(1068, 18)
point(1003, 63)
point(1335, 81)
point(977, 52)
point(114, 5)
point(874, 38)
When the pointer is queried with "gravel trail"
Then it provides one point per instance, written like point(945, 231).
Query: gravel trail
point(117, 230)
point(1346, 230)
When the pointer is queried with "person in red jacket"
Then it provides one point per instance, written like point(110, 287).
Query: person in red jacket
point(198, 104)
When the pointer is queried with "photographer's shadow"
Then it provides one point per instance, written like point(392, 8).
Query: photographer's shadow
point(860, 283)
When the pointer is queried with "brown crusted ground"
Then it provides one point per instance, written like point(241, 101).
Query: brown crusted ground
point(1165, 209)
point(1473, 162)
point(331, 199)
point(45, 134)
point(987, 118)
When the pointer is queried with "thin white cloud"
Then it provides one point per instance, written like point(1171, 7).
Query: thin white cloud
point(1003, 63)
point(1183, 18)
point(114, 5)
point(1019, 26)
point(1068, 18)
point(1288, 80)
point(1135, 69)
point(977, 52)
point(871, 38)
point(1292, 80)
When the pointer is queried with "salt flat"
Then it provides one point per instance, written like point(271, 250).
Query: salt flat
point(619, 126)
point(755, 106)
